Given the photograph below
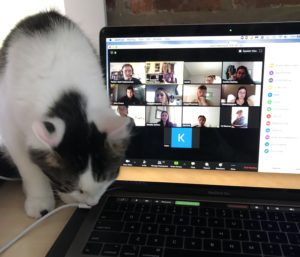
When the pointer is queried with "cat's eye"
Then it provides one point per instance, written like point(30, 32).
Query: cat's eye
point(81, 191)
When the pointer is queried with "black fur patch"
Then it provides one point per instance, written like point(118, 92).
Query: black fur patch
point(81, 142)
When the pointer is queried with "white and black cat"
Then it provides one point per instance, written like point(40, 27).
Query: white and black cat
point(55, 118)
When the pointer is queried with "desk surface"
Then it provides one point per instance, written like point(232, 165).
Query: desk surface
point(37, 242)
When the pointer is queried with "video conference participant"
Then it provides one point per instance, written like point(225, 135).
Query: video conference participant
point(161, 96)
point(164, 120)
point(129, 98)
point(127, 74)
point(240, 121)
point(242, 97)
point(123, 112)
point(201, 96)
point(167, 73)
point(242, 75)
point(201, 122)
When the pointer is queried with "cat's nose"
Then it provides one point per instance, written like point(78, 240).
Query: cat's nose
point(91, 201)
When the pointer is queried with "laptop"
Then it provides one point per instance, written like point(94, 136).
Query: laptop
point(213, 165)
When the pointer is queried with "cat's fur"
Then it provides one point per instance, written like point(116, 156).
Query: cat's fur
point(55, 119)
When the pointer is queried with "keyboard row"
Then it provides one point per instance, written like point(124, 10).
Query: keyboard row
point(136, 243)
point(117, 220)
point(203, 211)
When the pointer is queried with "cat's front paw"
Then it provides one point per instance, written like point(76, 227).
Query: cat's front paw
point(36, 207)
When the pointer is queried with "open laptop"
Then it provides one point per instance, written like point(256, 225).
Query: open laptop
point(213, 166)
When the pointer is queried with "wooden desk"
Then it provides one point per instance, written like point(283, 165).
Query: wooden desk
point(37, 243)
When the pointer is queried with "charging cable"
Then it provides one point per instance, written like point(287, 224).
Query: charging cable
point(34, 224)
point(10, 179)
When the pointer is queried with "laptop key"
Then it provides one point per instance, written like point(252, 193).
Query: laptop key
point(224, 213)
point(207, 212)
point(184, 231)
point(292, 216)
point(258, 236)
point(269, 226)
point(199, 221)
point(131, 216)
point(251, 248)
point(278, 237)
point(231, 246)
point(133, 227)
point(241, 235)
point(174, 242)
point(148, 218)
point(167, 229)
point(212, 245)
point(149, 228)
point(219, 233)
point(155, 240)
point(291, 250)
point(109, 237)
point(137, 239)
point(241, 214)
point(233, 223)
point(193, 243)
point(111, 216)
point(164, 218)
point(158, 208)
point(151, 252)
point(276, 216)
point(191, 211)
point(271, 249)
point(294, 238)
point(181, 220)
point(109, 225)
point(111, 250)
point(251, 224)
point(258, 215)
point(288, 227)
point(216, 222)
point(203, 232)
point(129, 251)
point(92, 249)
point(174, 209)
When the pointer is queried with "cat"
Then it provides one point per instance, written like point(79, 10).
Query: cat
point(56, 122)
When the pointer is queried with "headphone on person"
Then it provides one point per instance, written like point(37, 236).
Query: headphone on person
point(129, 65)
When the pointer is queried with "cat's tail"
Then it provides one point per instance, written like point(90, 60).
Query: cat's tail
point(7, 167)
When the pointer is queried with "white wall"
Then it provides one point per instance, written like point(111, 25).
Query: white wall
point(90, 15)
point(12, 11)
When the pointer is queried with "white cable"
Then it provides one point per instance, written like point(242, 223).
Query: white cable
point(34, 224)
point(10, 179)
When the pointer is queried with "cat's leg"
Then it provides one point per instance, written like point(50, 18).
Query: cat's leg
point(39, 194)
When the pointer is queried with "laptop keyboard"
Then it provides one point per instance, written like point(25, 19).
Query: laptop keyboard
point(131, 227)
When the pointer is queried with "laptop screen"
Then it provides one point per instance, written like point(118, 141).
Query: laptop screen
point(212, 97)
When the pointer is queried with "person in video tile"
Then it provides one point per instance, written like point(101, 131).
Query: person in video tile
point(201, 121)
point(242, 75)
point(167, 74)
point(210, 79)
point(129, 98)
point(240, 121)
point(161, 96)
point(242, 98)
point(164, 120)
point(127, 72)
point(201, 96)
point(123, 111)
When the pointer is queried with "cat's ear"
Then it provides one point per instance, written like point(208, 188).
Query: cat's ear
point(49, 131)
